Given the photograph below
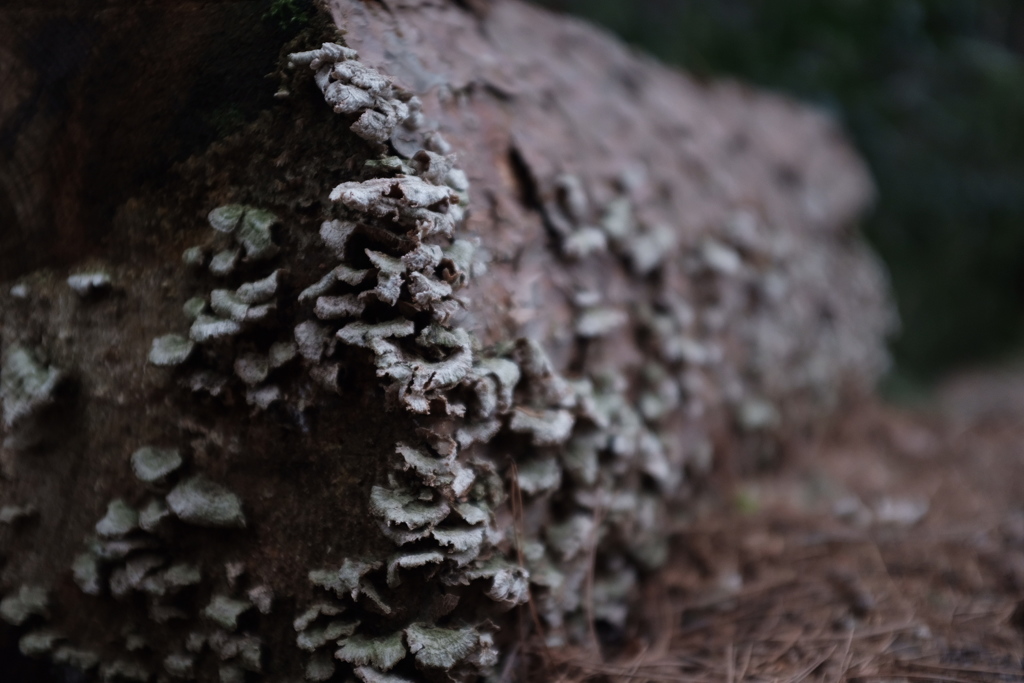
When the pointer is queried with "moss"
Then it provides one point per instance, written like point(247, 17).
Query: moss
point(289, 15)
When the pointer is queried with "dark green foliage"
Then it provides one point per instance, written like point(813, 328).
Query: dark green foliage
point(290, 15)
point(933, 93)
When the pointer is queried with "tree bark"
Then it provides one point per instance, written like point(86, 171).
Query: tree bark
point(335, 394)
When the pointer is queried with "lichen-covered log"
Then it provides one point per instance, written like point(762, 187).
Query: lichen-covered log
point(466, 318)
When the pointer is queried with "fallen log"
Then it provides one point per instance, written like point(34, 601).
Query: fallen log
point(466, 319)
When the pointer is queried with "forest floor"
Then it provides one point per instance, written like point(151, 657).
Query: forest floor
point(893, 550)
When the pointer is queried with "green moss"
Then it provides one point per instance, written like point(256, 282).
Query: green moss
point(289, 15)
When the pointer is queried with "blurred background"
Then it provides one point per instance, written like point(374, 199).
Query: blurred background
point(932, 94)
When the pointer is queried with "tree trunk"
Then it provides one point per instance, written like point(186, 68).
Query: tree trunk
point(465, 318)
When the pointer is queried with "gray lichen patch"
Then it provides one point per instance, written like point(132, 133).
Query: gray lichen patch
point(406, 507)
point(335, 235)
point(306, 619)
point(86, 572)
point(120, 520)
point(352, 87)
point(412, 560)
point(181, 575)
point(546, 428)
point(14, 514)
point(75, 657)
point(194, 307)
point(339, 307)
point(252, 368)
point(208, 328)
point(262, 597)
point(124, 670)
point(194, 257)
point(509, 583)
point(134, 573)
point(441, 648)
point(346, 581)
point(152, 514)
point(281, 353)
point(311, 639)
point(171, 349)
point(263, 397)
point(230, 306)
point(27, 387)
point(202, 502)
point(180, 665)
point(460, 540)
point(255, 236)
point(88, 284)
point(152, 465)
point(755, 414)
point(312, 340)
point(245, 650)
point(720, 258)
point(365, 334)
point(231, 673)
point(539, 475)
point(370, 675)
point(320, 667)
point(225, 611)
point(569, 538)
point(28, 601)
point(226, 218)
point(585, 242)
point(598, 322)
point(380, 653)
point(223, 262)
point(259, 291)
point(39, 642)
point(411, 199)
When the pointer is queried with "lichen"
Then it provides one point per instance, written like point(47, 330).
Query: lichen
point(225, 611)
point(14, 514)
point(120, 520)
point(124, 670)
point(202, 502)
point(75, 657)
point(152, 465)
point(223, 262)
point(39, 642)
point(88, 284)
point(226, 218)
point(180, 665)
point(380, 653)
point(27, 602)
point(86, 572)
point(27, 388)
point(171, 349)
point(441, 648)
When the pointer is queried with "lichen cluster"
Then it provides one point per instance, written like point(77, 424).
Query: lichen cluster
point(132, 556)
point(446, 501)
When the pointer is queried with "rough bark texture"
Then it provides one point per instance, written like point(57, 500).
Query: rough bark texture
point(478, 335)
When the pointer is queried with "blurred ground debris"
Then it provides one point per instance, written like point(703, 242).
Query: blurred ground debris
point(892, 551)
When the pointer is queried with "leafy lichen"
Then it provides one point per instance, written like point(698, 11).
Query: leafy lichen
point(202, 502)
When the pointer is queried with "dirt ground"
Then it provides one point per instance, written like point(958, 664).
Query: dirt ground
point(891, 550)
